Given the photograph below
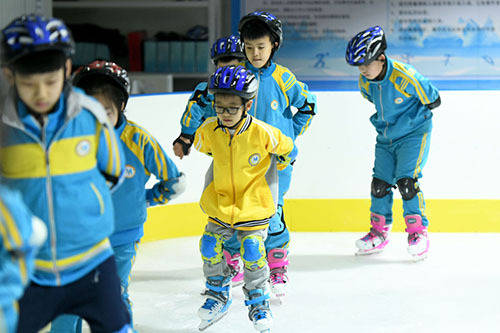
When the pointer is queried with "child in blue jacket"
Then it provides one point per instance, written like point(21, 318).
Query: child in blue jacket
point(61, 153)
point(403, 99)
point(110, 85)
point(279, 90)
point(21, 234)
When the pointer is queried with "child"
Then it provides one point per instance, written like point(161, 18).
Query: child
point(239, 195)
point(109, 84)
point(279, 90)
point(61, 153)
point(403, 99)
point(225, 51)
point(20, 236)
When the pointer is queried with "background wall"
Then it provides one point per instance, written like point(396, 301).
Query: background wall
point(331, 182)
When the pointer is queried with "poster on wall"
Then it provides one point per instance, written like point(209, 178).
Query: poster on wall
point(454, 42)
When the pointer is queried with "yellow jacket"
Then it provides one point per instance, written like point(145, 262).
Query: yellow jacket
point(241, 185)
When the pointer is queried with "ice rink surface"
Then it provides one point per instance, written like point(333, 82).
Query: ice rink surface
point(456, 289)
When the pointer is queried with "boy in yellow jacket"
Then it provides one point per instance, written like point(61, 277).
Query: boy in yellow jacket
point(240, 195)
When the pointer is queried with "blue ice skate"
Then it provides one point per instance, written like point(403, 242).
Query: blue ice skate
point(258, 309)
point(218, 300)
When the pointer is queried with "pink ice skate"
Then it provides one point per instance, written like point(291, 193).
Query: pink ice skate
point(378, 237)
point(418, 240)
point(278, 263)
point(236, 265)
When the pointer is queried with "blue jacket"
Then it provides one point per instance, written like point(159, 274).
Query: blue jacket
point(200, 107)
point(61, 170)
point(403, 99)
point(279, 90)
point(17, 250)
point(144, 157)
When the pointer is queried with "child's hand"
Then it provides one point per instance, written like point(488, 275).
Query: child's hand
point(182, 146)
point(283, 161)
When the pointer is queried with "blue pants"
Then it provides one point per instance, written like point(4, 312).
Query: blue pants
point(404, 158)
point(94, 297)
point(124, 257)
point(278, 235)
point(8, 318)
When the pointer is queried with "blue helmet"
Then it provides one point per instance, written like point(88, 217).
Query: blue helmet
point(272, 22)
point(32, 33)
point(366, 46)
point(235, 80)
point(227, 47)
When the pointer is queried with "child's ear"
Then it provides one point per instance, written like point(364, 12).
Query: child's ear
point(123, 107)
point(248, 105)
point(9, 75)
point(67, 66)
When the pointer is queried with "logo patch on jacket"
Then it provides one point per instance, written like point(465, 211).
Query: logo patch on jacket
point(254, 159)
point(274, 104)
point(129, 171)
point(398, 100)
point(83, 148)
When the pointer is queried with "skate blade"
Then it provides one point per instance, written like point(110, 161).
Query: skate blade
point(207, 323)
point(418, 258)
point(368, 252)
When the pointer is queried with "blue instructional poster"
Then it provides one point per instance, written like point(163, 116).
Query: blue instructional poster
point(453, 42)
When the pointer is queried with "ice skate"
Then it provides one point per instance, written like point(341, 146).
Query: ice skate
point(378, 237)
point(418, 240)
point(278, 264)
point(217, 302)
point(234, 262)
point(258, 309)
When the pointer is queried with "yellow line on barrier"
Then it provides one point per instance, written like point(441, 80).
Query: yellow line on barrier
point(334, 215)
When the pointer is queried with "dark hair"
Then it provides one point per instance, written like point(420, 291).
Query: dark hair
point(227, 59)
point(257, 29)
point(39, 62)
point(97, 84)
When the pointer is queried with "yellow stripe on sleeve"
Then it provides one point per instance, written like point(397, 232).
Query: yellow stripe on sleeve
point(420, 155)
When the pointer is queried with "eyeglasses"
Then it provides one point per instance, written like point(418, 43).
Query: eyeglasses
point(231, 110)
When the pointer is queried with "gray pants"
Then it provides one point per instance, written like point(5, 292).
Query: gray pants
point(253, 254)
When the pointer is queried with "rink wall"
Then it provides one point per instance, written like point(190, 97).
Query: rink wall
point(331, 181)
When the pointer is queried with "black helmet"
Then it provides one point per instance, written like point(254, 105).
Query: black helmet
point(366, 46)
point(272, 22)
point(229, 46)
point(108, 69)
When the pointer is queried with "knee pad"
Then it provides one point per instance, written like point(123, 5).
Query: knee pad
point(253, 252)
point(380, 188)
point(211, 247)
point(408, 187)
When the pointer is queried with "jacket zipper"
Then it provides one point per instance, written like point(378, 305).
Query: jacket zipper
point(50, 202)
point(259, 73)
point(382, 110)
point(232, 177)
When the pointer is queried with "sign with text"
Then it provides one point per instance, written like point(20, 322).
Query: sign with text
point(448, 40)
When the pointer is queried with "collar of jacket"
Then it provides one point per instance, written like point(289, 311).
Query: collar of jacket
point(120, 125)
point(263, 72)
point(242, 126)
point(387, 73)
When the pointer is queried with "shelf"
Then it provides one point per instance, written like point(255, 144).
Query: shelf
point(130, 4)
